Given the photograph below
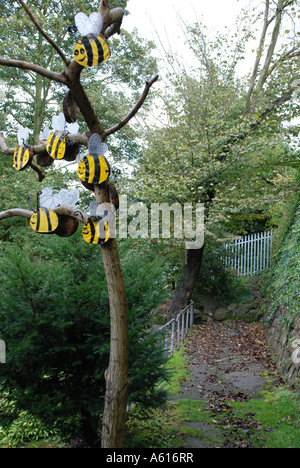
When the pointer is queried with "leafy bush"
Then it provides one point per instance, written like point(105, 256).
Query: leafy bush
point(282, 284)
point(217, 281)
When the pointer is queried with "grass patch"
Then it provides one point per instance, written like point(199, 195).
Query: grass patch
point(272, 421)
point(159, 428)
point(278, 416)
point(179, 373)
point(192, 410)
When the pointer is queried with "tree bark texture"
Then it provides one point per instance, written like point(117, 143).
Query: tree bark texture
point(185, 287)
point(116, 375)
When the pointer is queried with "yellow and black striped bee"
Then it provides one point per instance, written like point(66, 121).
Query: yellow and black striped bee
point(94, 169)
point(96, 230)
point(56, 145)
point(21, 157)
point(44, 221)
point(92, 49)
point(22, 154)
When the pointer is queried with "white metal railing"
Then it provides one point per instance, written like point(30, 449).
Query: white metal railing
point(251, 254)
point(176, 330)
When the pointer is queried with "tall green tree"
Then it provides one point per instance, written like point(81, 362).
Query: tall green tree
point(225, 134)
point(32, 99)
point(57, 333)
point(70, 75)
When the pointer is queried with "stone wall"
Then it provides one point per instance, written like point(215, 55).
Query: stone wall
point(282, 301)
point(285, 347)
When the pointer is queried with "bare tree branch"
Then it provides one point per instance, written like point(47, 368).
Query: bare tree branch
point(80, 138)
point(112, 19)
point(4, 146)
point(15, 212)
point(59, 77)
point(39, 172)
point(136, 108)
point(46, 36)
point(293, 53)
point(258, 55)
point(266, 67)
point(75, 213)
point(270, 52)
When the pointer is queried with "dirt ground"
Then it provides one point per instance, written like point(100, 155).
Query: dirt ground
point(227, 361)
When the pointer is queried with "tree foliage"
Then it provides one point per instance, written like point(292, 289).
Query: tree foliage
point(71, 75)
point(57, 333)
point(31, 100)
point(214, 150)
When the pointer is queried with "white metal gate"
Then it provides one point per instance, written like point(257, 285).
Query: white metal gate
point(175, 331)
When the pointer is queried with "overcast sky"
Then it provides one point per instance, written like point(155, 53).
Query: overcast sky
point(148, 15)
point(215, 13)
point(162, 17)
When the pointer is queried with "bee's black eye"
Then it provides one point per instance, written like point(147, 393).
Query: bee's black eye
point(82, 51)
point(76, 52)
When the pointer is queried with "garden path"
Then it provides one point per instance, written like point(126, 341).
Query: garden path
point(227, 361)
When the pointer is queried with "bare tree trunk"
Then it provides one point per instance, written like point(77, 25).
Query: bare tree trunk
point(184, 290)
point(116, 375)
point(258, 55)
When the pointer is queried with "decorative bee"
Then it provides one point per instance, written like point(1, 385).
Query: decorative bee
point(96, 230)
point(67, 225)
point(44, 221)
point(94, 169)
point(57, 146)
point(22, 154)
point(63, 197)
point(92, 49)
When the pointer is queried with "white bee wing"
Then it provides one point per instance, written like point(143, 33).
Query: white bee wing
point(83, 24)
point(96, 23)
point(46, 198)
point(58, 122)
point(57, 200)
point(72, 128)
point(80, 156)
point(44, 134)
point(103, 149)
point(95, 144)
point(69, 198)
point(23, 134)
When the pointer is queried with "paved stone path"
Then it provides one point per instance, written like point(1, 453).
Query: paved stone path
point(227, 361)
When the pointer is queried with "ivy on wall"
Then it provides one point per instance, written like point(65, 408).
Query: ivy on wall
point(283, 281)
